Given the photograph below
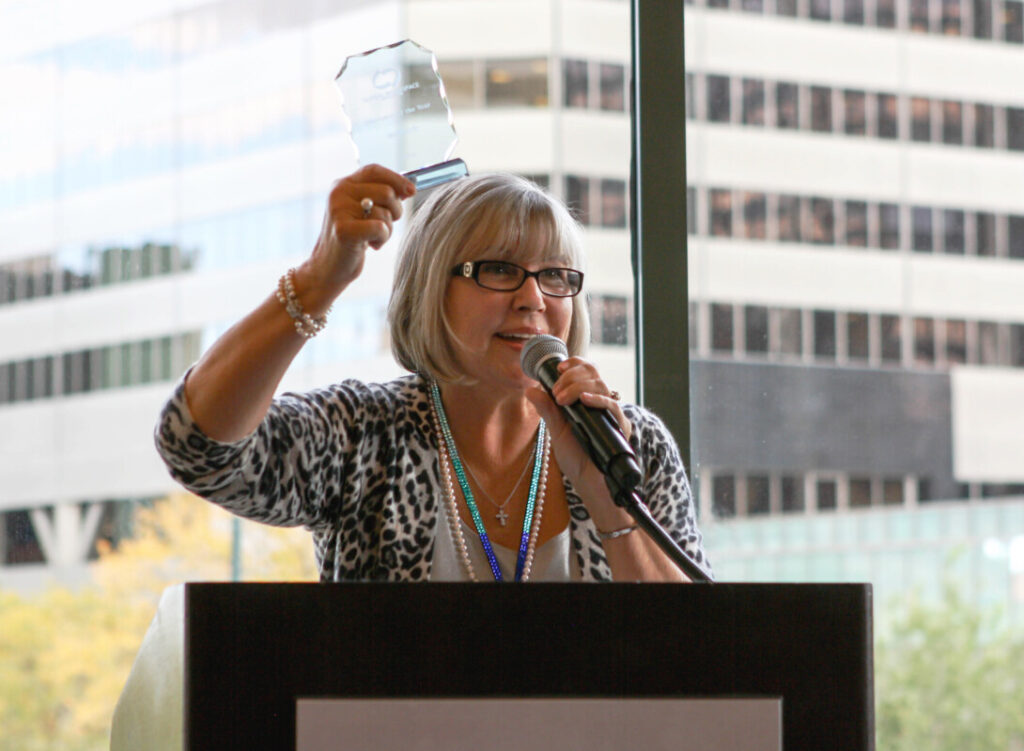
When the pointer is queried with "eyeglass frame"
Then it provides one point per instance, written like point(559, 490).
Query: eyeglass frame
point(471, 270)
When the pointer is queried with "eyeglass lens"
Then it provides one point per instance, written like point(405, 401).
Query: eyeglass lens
point(501, 275)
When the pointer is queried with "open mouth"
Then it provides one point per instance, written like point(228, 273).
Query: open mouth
point(523, 338)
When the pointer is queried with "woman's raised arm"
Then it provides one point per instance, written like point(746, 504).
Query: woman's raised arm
point(229, 390)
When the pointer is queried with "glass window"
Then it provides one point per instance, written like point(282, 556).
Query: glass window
point(758, 490)
point(1017, 345)
point(1015, 128)
point(613, 203)
point(885, 14)
point(825, 334)
point(577, 197)
point(1013, 21)
point(920, 119)
point(789, 218)
point(755, 215)
point(1015, 236)
point(755, 319)
point(956, 342)
point(821, 10)
point(752, 6)
point(855, 113)
point(821, 109)
point(924, 341)
point(985, 234)
point(857, 336)
point(790, 332)
point(982, 19)
point(952, 123)
point(787, 110)
point(892, 339)
point(989, 351)
point(691, 96)
point(721, 212)
point(853, 12)
point(721, 328)
point(575, 83)
point(953, 231)
point(753, 102)
point(723, 493)
point(888, 116)
point(612, 314)
point(892, 492)
point(613, 87)
point(785, 8)
point(919, 16)
point(792, 493)
point(822, 218)
point(951, 17)
point(691, 210)
point(921, 218)
point(718, 99)
point(984, 126)
point(827, 495)
point(857, 223)
point(860, 492)
point(516, 83)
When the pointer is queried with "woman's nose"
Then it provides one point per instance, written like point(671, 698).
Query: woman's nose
point(529, 296)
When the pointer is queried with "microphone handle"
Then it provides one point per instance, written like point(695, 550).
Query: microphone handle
point(598, 433)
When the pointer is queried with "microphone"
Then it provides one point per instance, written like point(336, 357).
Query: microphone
point(594, 428)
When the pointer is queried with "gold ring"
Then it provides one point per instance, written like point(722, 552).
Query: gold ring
point(615, 395)
point(367, 206)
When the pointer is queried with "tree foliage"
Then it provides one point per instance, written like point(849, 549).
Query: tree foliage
point(950, 677)
point(65, 654)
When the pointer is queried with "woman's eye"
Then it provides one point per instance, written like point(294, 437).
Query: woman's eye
point(501, 269)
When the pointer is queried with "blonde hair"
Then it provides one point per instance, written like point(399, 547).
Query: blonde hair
point(500, 216)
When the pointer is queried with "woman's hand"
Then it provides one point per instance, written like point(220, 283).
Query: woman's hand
point(579, 380)
point(348, 230)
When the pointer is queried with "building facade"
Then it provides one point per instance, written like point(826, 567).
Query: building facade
point(854, 223)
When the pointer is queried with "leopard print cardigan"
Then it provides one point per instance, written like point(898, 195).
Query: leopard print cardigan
point(357, 464)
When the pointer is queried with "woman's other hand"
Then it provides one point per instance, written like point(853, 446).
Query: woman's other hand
point(579, 380)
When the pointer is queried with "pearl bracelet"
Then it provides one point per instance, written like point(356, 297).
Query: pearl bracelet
point(305, 324)
point(616, 533)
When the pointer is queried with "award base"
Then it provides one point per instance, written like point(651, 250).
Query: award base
point(437, 174)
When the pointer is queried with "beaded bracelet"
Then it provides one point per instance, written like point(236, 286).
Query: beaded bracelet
point(615, 533)
point(305, 324)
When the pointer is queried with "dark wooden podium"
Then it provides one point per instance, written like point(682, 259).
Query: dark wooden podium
point(251, 650)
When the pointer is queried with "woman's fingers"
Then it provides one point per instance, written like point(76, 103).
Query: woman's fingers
point(581, 381)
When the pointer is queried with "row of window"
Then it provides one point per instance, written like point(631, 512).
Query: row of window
point(757, 494)
point(785, 105)
point(474, 84)
point(19, 543)
point(97, 368)
point(822, 220)
point(851, 338)
point(999, 20)
point(43, 277)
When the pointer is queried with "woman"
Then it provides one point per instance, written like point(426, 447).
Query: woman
point(464, 470)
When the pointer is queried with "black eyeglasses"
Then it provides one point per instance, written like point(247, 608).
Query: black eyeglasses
point(504, 276)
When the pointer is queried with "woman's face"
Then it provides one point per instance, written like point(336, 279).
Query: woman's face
point(493, 326)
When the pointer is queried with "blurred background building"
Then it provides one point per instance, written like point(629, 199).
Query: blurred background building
point(855, 223)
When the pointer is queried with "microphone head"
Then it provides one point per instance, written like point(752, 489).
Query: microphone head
point(537, 350)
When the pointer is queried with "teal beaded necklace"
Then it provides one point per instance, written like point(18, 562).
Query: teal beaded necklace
point(539, 469)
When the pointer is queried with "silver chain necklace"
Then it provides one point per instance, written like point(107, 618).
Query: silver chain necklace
point(501, 516)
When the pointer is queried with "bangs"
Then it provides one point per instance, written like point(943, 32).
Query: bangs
point(526, 231)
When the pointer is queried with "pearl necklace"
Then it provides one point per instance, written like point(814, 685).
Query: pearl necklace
point(534, 505)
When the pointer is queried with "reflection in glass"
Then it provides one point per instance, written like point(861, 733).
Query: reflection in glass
point(575, 83)
point(516, 83)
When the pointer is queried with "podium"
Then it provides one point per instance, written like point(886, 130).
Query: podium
point(252, 651)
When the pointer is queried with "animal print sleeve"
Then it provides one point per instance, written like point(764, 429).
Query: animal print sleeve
point(666, 488)
point(288, 470)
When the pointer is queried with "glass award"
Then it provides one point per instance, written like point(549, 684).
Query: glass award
point(398, 113)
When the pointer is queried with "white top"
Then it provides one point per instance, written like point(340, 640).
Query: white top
point(552, 561)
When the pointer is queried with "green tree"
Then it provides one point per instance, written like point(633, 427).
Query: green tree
point(950, 677)
point(65, 655)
